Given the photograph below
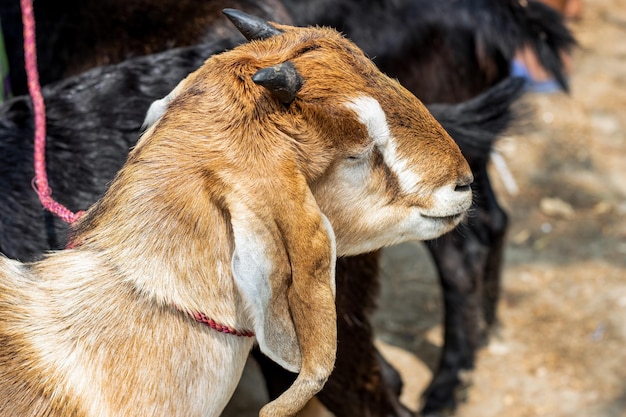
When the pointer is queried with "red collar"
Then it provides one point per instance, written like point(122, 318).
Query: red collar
point(202, 318)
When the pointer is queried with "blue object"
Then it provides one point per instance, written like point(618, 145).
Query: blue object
point(519, 70)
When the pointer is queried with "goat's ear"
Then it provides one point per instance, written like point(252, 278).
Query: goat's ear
point(284, 267)
point(282, 80)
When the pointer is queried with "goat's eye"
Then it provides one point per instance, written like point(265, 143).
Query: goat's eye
point(361, 155)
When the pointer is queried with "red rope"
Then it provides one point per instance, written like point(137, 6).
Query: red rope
point(202, 318)
point(40, 182)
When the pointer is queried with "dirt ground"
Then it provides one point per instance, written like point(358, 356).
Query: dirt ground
point(560, 348)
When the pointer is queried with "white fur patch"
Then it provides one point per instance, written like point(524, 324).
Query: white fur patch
point(155, 111)
point(158, 108)
point(372, 115)
point(253, 269)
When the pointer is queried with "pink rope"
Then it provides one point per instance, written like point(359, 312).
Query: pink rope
point(30, 59)
point(202, 318)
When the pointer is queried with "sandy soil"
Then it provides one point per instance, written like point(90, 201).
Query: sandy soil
point(560, 348)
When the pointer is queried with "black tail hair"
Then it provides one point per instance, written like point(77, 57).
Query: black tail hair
point(475, 124)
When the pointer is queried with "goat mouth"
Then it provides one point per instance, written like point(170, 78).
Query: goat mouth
point(451, 218)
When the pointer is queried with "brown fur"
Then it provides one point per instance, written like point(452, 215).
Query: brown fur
point(223, 203)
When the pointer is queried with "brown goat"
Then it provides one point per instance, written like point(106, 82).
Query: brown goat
point(265, 164)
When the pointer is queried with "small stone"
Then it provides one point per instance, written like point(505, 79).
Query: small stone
point(555, 207)
point(498, 348)
point(603, 207)
point(521, 237)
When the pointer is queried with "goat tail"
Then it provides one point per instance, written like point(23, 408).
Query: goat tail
point(475, 124)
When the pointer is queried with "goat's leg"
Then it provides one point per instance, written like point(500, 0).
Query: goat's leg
point(277, 379)
point(468, 261)
point(458, 257)
point(362, 384)
point(392, 379)
point(499, 221)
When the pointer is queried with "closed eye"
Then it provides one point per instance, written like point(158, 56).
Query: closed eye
point(361, 156)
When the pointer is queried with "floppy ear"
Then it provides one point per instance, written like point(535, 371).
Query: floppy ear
point(284, 267)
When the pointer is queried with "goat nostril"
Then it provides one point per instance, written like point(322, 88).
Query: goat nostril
point(463, 184)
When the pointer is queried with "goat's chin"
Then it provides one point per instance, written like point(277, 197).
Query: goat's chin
point(415, 227)
point(444, 224)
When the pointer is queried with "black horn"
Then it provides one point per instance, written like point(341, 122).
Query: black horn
point(252, 27)
point(282, 80)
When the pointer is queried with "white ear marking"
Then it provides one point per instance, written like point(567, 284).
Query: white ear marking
point(253, 269)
